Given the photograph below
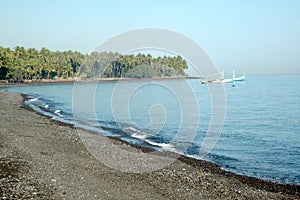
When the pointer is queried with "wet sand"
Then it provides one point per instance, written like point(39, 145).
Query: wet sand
point(43, 159)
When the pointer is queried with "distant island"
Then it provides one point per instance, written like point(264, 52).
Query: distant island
point(30, 65)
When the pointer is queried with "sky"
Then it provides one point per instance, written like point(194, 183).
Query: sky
point(253, 37)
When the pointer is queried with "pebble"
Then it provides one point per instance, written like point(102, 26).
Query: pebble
point(178, 181)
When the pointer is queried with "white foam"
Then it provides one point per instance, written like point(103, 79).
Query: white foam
point(57, 112)
point(132, 129)
point(166, 146)
point(139, 136)
point(32, 100)
point(47, 106)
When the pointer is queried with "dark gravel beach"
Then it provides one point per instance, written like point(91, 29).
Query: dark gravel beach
point(43, 159)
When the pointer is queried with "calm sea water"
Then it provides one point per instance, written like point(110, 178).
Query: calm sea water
point(261, 132)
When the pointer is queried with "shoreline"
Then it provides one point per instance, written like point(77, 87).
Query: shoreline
point(73, 80)
point(61, 167)
point(291, 189)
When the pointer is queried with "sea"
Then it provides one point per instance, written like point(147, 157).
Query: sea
point(259, 134)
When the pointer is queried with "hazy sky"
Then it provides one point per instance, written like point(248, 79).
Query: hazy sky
point(256, 37)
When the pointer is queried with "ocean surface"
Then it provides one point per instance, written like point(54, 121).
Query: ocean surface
point(260, 135)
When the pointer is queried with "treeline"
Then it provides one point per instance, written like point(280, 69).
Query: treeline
point(108, 64)
point(22, 64)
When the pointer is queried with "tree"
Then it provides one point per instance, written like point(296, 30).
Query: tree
point(22, 64)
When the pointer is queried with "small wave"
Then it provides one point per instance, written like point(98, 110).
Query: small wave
point(132, 129)
point(57, 112)
point(47, 106)
point(221, 158)
point(166, 146)
point(33, 100)
point(139, 136)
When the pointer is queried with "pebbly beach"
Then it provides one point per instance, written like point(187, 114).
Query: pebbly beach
point(44, 159)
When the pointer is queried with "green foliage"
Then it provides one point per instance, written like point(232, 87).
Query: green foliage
point(30, 64)
point(115, 65)
point(22, 64)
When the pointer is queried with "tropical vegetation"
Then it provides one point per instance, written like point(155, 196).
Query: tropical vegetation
point(20, 64)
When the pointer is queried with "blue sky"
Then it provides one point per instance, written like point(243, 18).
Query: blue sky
point(256, 37)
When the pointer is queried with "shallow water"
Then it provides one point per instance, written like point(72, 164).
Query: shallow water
point(261, 132)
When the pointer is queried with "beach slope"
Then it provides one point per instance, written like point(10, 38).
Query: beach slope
point(43, 159)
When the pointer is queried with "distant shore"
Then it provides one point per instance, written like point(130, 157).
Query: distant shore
point(72, 80)
point(42, 158)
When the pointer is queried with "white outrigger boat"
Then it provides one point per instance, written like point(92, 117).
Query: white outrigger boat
point(219, 79)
